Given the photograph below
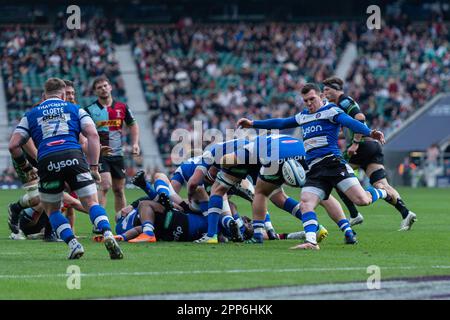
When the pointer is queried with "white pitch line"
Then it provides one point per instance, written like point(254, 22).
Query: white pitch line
point(163, 273)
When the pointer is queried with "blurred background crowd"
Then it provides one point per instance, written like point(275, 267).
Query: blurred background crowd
point(218, 72)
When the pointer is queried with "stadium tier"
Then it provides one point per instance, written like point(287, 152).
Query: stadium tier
point(399, 69)
point(30, 55)
point(216, 73)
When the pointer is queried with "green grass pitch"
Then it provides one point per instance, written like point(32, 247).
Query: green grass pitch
point(37, 270)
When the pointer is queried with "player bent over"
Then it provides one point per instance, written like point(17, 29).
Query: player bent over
point(55, 126)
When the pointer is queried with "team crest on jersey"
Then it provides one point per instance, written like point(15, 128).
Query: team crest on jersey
point(318, 115)
point(118, 113)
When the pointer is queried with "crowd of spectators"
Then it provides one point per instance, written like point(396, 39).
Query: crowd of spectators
point(218, 73)
point(399, 68)
point(31, 54)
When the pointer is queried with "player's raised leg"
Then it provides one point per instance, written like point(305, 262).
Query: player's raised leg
point(377, 175)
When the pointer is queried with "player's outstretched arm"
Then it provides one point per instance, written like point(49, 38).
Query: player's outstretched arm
point(280, 123)
point(359, 127)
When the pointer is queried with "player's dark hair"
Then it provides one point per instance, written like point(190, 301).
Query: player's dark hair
point(98, 80)
point(69, 83)
point(334, 82)
point(54, 86)
point(310, 86)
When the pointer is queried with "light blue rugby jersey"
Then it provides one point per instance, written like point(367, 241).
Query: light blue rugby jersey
point(320, 132)
point(273, 147)
point(54, 125)
point(215, 152)
point(185, 171)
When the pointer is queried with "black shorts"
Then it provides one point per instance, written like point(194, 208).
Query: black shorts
point(115, 165)
point(368, 152)
point(65, 166)
point(172, 226)
point(276, 175)
point(241, 171)
point(327, 174)
point(27, 228)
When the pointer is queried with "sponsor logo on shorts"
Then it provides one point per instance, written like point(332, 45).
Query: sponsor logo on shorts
point(51, 185)
point(57, 166)
point(177, 233)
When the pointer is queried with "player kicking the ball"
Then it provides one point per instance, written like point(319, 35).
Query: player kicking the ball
point(327, 169)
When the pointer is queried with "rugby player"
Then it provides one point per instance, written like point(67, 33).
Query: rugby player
point(269, 153)
point(327, 169)
point(109, 116)
point(31, 198)
point(29, 182)
point(365, 153)
point(201, 182)
point(207, 170)
point(152, 217)
point(54, 126)
point(34, 221)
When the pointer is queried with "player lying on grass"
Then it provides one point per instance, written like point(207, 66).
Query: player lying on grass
point(201, 180)
point(271, 153)
point(207, 170)
point(327, 169)
point(34, 223)
point(365, 153)
point(148, 221)
point(167, 196)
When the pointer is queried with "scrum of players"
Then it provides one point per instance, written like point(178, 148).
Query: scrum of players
point(56, 149)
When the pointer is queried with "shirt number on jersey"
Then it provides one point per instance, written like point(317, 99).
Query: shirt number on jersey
point(52, 128)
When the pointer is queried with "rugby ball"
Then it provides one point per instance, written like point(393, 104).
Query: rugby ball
point(293, 173)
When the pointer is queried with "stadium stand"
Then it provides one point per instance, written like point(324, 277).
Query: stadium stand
point(218, 73)
point(399, 69)
point(31, 54)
